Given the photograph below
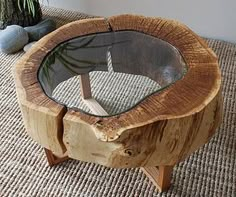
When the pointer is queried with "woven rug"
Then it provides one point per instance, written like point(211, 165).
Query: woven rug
point(211, 171)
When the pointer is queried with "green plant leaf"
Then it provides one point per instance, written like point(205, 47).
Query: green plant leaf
point(27, 4)
point(19, 5)
point(32, 7)
point(24, 4)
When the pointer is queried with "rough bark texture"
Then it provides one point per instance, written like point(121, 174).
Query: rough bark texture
point(10, 14)
point(161, 131)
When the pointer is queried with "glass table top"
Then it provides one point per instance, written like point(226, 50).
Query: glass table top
point(124, 68)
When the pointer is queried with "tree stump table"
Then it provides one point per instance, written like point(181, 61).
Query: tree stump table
point(158, 129)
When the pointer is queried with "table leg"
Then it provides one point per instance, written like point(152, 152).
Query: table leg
point(160, 176)
point(53, 159)
point(85, 87)
point(88, 100)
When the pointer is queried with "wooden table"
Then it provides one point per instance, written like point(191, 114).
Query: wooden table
point(156, 133)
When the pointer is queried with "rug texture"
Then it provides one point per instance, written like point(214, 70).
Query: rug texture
point(24, 172)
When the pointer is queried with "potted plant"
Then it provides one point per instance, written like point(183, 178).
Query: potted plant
point(19, 12)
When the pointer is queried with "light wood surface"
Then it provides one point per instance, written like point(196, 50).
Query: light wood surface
point(160, 176)
point(167, 126)
point(162, 130)
point(42, 116)
point(156, 144)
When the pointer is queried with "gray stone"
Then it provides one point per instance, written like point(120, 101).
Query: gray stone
point(13, 39)
point(36, 32)
point(28, 46)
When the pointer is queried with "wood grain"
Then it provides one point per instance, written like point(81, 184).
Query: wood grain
point(160, 176)
point(162, 143)
point(162, 130)
point(167, 126)
point(43, 116)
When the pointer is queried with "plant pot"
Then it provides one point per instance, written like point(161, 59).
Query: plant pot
point(10, 14)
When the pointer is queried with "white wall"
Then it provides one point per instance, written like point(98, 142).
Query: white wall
point(209, 18)
point(78, 5)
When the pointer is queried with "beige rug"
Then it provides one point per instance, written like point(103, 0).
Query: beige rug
point(211, 171)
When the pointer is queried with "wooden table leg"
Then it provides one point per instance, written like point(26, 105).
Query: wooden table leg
point(85, 87)
point(160, 176)
point(53, 159)
point(88, 100)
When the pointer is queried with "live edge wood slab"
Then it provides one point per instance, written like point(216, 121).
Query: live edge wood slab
point(161, 131)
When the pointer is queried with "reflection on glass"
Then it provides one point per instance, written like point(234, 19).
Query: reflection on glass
point(124, 68)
